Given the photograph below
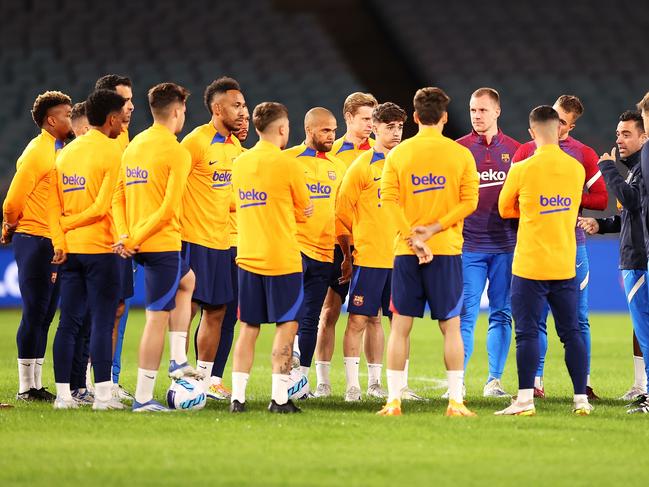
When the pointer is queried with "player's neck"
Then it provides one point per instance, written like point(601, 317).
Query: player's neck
point(276, 141)
point(378, 147)
point(354, 139)
point(541, 141)
point(438, 126)
point(489, 134)
point(220, 127)
point(104, 130)
point(168, 124)
point(50, 130)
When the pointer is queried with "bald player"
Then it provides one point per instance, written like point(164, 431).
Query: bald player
point(317, 236)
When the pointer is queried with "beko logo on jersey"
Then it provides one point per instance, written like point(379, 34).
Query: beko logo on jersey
point(319, 190)
point(429, 180)
point(221, 178)
point(555, 203)
point(138, 174)
point(492, 178)
point(252, 197)
point(75, 181)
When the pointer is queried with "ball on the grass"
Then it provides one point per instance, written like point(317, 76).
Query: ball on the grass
point(298, 385)
point(186, 394)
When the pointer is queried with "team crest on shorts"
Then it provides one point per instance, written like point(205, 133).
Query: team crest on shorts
point(358, 300)
point(332, 175)
point(504, 157)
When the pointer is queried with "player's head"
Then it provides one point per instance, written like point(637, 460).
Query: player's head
point(167, 104)
point(357, 111)
point(630, 133)
point(123, 86)
point(80, 124)
point(387, 124)
point(569, 108)
point(484, 108)
point(320, 129)
point(271, 122)
point(242, 133)
point(51, 111)
point(105, 110)
point(430, 106)
point(643, 108)
point(544, 125)
point(225, 102)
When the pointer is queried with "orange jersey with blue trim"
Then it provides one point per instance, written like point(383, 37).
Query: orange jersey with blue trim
point(348, 151)
point(27, 199)
point(152, 179)
point(234, 234)
point(358, 209)
point(122, 140)
point(205, 214)
point(83, 183)
point(271, 194)
point(544, 192)
point(426, 179)
point(323, 173)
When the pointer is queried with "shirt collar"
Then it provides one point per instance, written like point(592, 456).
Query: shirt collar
point(548, 148)
point(483, 139)
point(162, 129)
point(377, 156)
point(309, 152)
point(631, 161)
point(58, 144)
point(429, 132)
point(346, 145)
point(265, 145)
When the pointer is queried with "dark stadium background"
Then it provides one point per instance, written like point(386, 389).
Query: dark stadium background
point(309, 53)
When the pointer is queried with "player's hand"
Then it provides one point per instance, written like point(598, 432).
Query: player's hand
point(424, 232)
point(308, 211)
point(588, 225)
point(59, 257)
point(608, 156)
point(8, 231)
point(345, 271)
point(421, 250)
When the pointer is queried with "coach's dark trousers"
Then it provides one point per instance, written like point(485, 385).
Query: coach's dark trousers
point(89, 282)
point(39, 289)
point(528, 300)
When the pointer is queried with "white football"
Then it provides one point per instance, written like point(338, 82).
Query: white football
point(298, 385)
point(186, 394)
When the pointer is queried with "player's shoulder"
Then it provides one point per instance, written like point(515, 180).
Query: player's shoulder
point(198, 135)
point(509, 141)
point(466, 140)
point(295, 151)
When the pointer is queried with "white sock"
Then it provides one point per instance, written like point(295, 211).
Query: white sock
point(525, 395)
point(322, 372)
point(580, 398)
point(280, 388)
point(305, 370)
point(239, 383)
point(405, 370)
point(145, 385)
point(25, 374)
point(588, 380)
point(204, 367)
point(351, 371)
point(215, 381)
point(396, 381)
point(374, 374)
point(455, 383)
point(296, 345)
point(538, 382)
point(104, 390)
point(38, 373)
point(640, 373)
point(63, 391)
point(177, 343)
point(89, 377)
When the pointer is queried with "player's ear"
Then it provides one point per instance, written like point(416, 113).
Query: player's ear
point(444, 118)
point(531, 133)
point(415, 117)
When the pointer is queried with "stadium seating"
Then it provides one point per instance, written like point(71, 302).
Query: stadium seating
point(553, 48)
point(274, 55)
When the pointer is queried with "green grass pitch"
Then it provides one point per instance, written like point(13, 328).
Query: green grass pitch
point(331, 442)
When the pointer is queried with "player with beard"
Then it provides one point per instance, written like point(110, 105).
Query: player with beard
point(205, 216)
point(317, 236)
point(25, 222)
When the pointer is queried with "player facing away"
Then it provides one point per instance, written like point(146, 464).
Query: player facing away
point(359, 211)
point(147, 201)
point(594, 197)
point(205, 216)
point(357, 112)
point(217, 390)
point(271, 195)
point(122, 86)
point(429, 185)
point(488, 239)
point(83, 183)
point(25, 223)
point(630, 137)
point(317, 235)
point(544, 193)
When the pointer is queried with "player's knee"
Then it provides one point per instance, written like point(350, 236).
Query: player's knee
point(188, 282)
